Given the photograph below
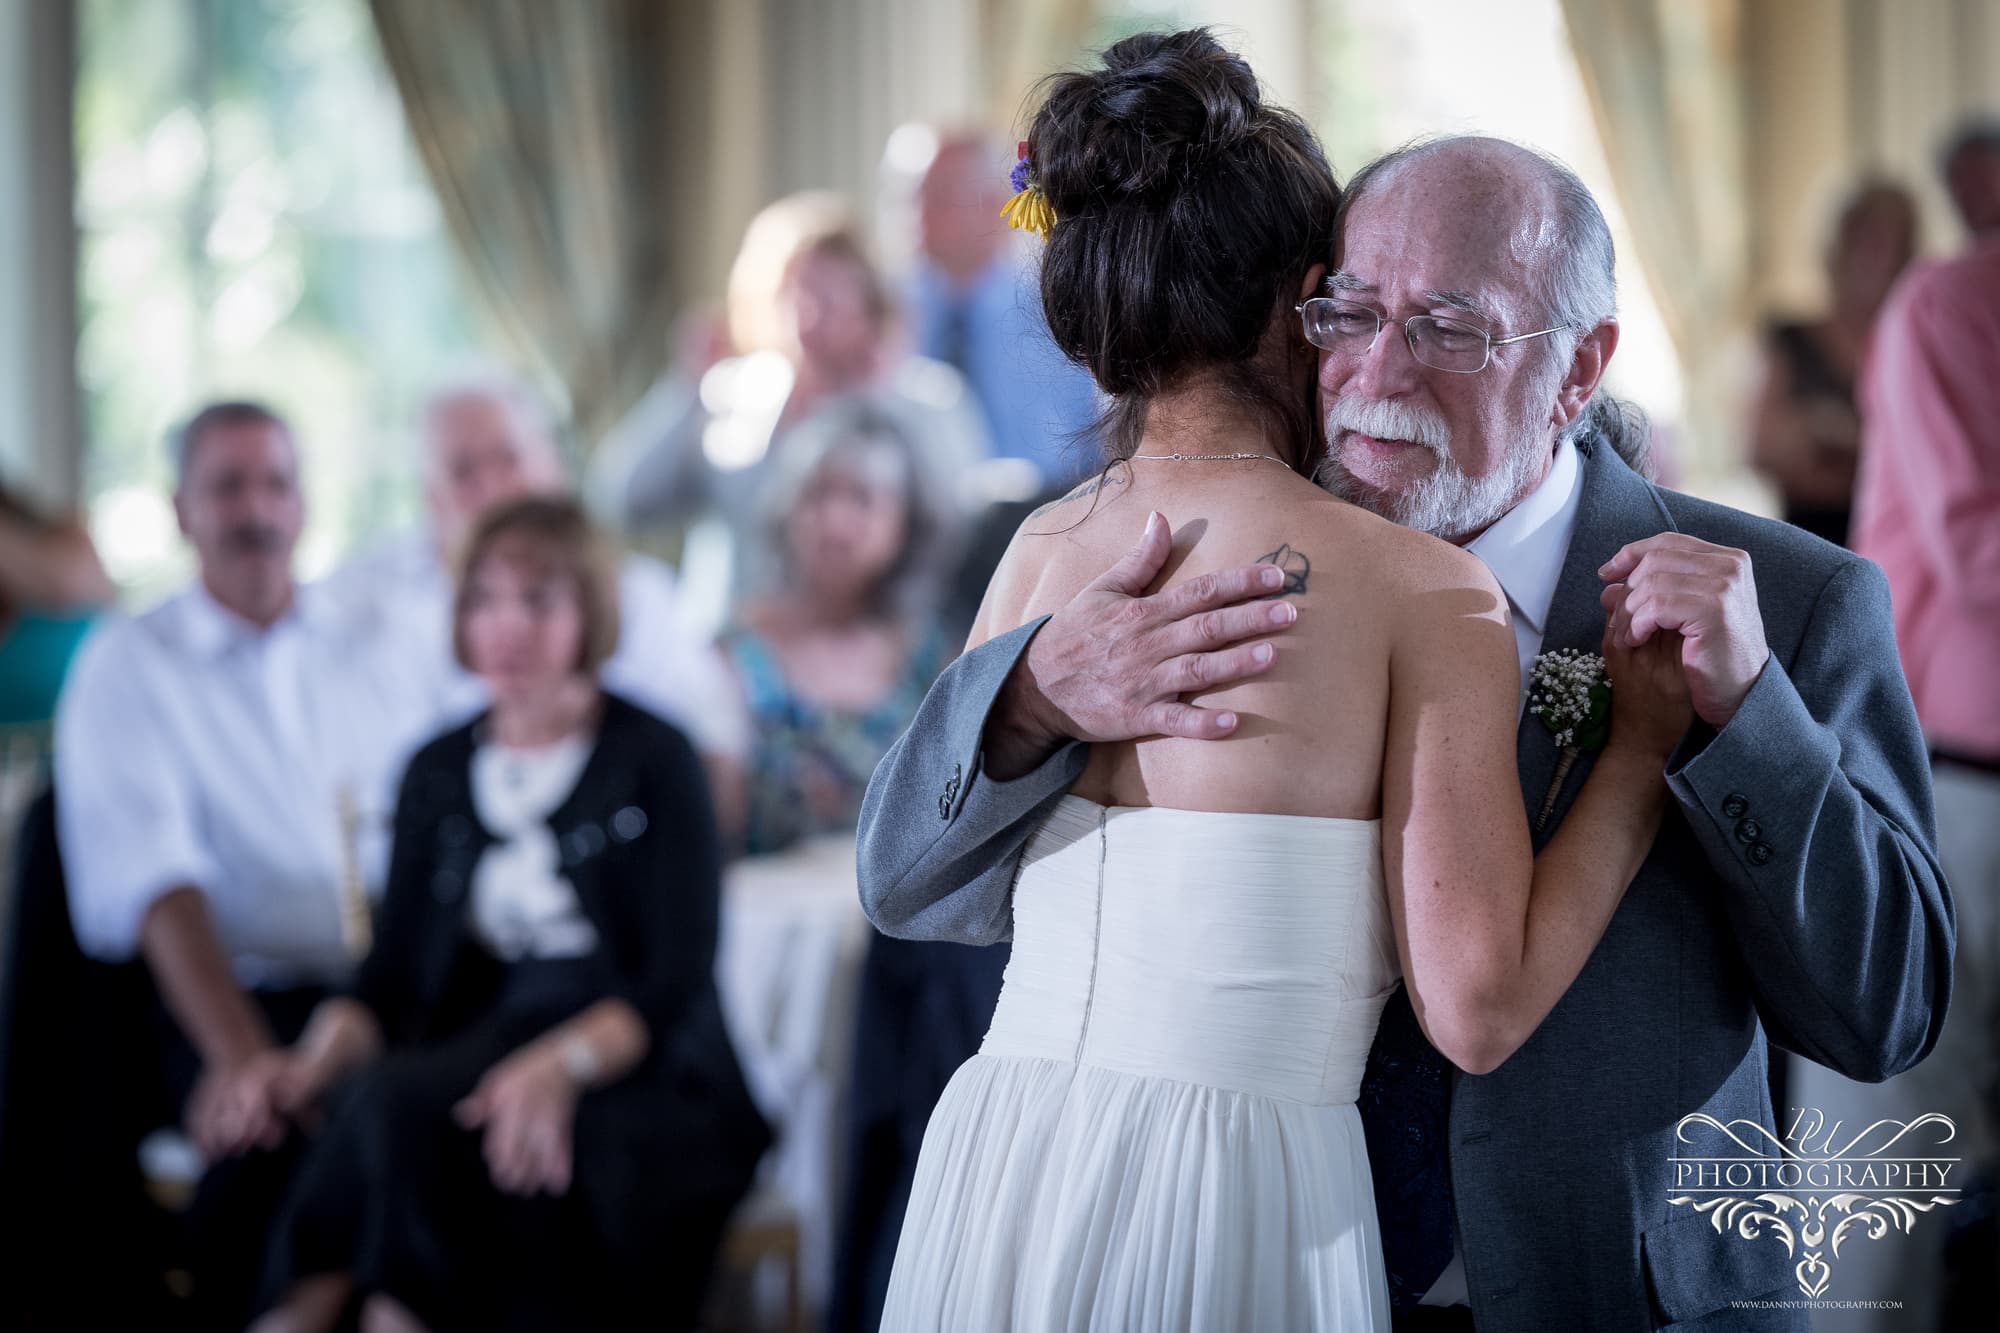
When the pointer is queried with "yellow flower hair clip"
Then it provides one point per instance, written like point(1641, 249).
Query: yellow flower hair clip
point(1029, 209)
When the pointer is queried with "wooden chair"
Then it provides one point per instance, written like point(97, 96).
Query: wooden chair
point(765, 1231)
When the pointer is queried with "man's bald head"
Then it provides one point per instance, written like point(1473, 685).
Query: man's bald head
point(1533, 211)
point(486, 441)
point(958, 205)
point(1504, 247)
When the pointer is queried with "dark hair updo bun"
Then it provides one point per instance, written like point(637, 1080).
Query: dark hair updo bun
point(1188, 213)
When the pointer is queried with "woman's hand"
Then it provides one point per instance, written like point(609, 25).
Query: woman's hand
point(527, 1106)
point(1651, 707)
point(342, 1034)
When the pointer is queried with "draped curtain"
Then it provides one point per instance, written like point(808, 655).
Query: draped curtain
point(1028, 39)
point(1665, 83)
point(549, 131)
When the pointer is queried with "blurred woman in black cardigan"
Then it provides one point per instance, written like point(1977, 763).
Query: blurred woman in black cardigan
point(549, 1129)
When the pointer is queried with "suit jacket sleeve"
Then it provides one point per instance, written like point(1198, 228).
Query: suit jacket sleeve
point(939, 840)
point(1814, 807)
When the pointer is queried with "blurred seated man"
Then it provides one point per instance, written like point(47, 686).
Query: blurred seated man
point(487, 442)
point(217, 758)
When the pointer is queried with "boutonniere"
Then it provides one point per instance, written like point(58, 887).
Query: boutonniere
point(1570, 692)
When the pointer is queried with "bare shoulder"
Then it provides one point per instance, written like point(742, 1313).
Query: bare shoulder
point(1420, 592)
point(1049, 538)
point(1396, 559)
point(1089, 496)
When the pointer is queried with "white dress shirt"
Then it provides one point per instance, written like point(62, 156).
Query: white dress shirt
point(194, 749)
point(1525, 550)
point(663, 662)
point(522, 906)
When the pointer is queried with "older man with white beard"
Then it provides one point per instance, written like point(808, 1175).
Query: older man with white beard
point(1793, 889)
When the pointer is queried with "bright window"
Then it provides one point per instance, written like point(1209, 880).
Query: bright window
point(255, 223)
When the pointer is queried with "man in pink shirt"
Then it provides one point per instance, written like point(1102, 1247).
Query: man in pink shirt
point(1928, 511)
point(1930, 485)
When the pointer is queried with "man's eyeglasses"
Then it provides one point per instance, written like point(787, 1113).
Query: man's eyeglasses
point(1350, 328)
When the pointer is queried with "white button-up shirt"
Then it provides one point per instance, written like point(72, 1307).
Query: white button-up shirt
point(195, 750)
point(662, 663)
point(1526, 550)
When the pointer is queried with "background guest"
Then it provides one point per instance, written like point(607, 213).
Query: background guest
point(216, 758)
point(835, 651)
point(488, 441)
point(558, 1130)
point(811, 319)
point(1971, 162)
point(834, 656)
point(1805, 431)
point(1929, 514)
point(50, 586)
point(975, 307)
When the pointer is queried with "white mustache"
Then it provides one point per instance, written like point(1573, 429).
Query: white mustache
point(1388, 420)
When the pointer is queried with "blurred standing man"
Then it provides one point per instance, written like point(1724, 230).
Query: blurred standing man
point(975, 307)
point(214, 757)
point(487, 442)
point(1929, 514)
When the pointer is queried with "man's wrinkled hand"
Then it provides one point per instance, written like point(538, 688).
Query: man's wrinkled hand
point(1708, 595)
point(1116, 664)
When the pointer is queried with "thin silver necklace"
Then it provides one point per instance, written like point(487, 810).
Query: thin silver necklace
point(1207, 458)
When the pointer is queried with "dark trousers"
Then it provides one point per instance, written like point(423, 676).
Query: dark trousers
point(924, 1009)
point(238, 1198)
point(397, 1194)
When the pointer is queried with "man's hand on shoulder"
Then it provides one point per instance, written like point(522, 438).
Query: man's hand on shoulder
point(1115, 664)
point(1708, 595)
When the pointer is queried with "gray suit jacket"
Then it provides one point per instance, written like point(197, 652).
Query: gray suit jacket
point(1794, 890)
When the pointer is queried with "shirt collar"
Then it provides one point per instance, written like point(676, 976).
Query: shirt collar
point(210, 629)
point(997, 282)
point(1526, 548)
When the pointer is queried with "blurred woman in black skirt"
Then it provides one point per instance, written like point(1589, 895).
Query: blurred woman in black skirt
point(548, 1128)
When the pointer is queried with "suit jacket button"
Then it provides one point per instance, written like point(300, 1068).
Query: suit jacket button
point(628, 823)
point(1734, 806)
point(1749, 831)
point(447, 886)
point(950, 795)
point(1760, 853)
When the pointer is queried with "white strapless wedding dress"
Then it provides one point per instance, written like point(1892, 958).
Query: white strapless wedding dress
point(1159, 1132)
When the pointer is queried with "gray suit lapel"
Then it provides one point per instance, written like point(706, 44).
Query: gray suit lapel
point(1618, 507)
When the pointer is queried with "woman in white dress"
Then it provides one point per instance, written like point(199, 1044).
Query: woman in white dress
point(1159, 1132)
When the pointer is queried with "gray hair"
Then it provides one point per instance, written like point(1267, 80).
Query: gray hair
point(862, 422)
point(529, 409)
point(182, 440)
point(1577, 286)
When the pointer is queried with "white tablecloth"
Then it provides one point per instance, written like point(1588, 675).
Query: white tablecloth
point(789, 969)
